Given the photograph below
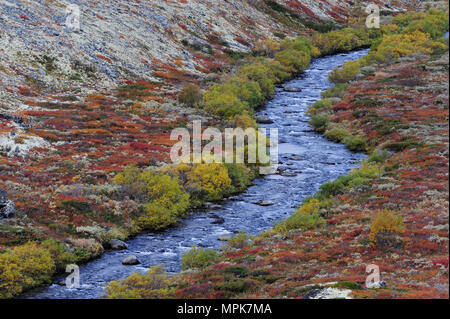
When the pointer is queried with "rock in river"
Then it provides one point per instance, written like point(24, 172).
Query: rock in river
point(130, 261)
point(264, 203)
point(262, 119)
point(289, 88)
point(117, 244)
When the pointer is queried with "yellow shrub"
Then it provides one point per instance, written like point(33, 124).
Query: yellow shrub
point(385, 225)
point(153, 285)
point(399, 45)
point(212, 178)
point(24, 267)
point(345, 74)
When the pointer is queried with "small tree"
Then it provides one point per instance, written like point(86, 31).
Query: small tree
point(384, 228)
point(190, 95)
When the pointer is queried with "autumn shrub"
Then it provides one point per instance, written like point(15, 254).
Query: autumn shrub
point(190, 95)
point(337, 134)
point(339, 90)
point(165, 201)
point(296, 61)
point(385, 227)
point(240, 241)
point(199, 258)
point(60, 254)
point(224, 104)
point(346, 73)
point(361, 175)
point(355, 143)
point(395, 46)
point(378, 157)
point(434, 22)
point(320, 106)
point(344, 40)
point(302, 44)
point(301, 221)
point(163, 198)
point(259, 72)
point(24, 267)
point(155, 284)
point(320, 121)
point(243, 121)
point(241, 177)
point(212, 178)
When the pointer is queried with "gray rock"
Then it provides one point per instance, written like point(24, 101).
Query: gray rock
point(289, 88)
point(224, 237)
point(288, 174)
point(377, 285)
point(117, 244)
point(6, 205)
point(262, 119)
point(130, 261)
point(264, 203)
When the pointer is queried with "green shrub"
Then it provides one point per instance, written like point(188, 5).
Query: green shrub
point(240, 241)
point(345, 74)
point(347, 285)
point(199, 258)
point(190, 95)
point(153, 285)
point(164, 199)
point(301, 221)
point(355, 143)
point(337, 134)
point(319, 121)
point(339, 90)
point(320, 106)
point(296, 61)
point(238, 271)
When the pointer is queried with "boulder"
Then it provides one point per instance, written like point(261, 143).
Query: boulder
point(6, 205)
point(117, 244)
point(376, 285)
point(130, 261)
point(263, 119)
point(264, 203)
point(224, 238)
point(289, 88)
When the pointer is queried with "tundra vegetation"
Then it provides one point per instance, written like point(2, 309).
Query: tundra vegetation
point(125, 191)
point(392, 211)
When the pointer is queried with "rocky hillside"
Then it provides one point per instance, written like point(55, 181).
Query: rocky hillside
point(125, 40)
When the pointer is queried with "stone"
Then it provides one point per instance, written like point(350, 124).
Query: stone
point(264, 203)
point(288, 174)
point(130, 261)
point(263, 119)
point(377, 285)
point(6, 205)
point(117, 244)
point(289, 88)
point(224, 238)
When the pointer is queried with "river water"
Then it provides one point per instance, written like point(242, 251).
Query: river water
point(314, 159)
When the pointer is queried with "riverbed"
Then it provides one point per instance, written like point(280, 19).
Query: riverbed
point(309, 160)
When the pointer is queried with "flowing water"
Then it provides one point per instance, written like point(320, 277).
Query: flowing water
point(302, 152)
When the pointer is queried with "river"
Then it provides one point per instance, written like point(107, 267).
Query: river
point(310, 157)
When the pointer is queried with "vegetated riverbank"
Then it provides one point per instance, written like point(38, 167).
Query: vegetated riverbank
point(91, 209)
point(307, 160)
point(392, 212)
